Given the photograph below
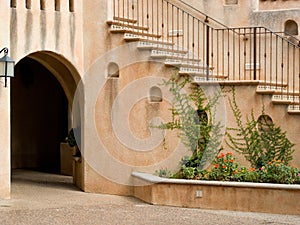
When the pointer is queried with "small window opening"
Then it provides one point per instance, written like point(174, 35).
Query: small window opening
point(290, 28)
point(28, 4)
point(71, 5)
point(13, 3)
point(155, 94)
point(57, 5)
point(113, 70)
point(264, 123)
point(42, 4)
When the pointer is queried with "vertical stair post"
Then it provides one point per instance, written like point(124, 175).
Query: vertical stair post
point(207, 52)
point(254, 53)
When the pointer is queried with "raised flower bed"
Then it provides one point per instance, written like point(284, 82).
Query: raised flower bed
point(220, 195)
point(271, 184)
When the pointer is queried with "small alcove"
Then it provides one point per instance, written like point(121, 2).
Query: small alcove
point(155, 94)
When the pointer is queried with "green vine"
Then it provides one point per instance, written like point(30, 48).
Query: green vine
point(258, 146)
point(196, 131)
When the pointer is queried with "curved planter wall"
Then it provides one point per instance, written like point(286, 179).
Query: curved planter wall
point(239, 196)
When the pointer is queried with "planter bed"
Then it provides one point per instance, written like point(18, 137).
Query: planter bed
point(220, 195)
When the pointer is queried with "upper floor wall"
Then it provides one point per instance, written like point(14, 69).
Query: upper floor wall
point(40, 25)
point(232, 13)
point(272, 14)
point(282, 16)
point(278, 4)
point(57, 5)
point(78, 29)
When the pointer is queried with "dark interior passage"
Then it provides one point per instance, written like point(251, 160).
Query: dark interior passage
point(39, 114)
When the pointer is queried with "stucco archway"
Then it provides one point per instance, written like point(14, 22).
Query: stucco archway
point(41, 100)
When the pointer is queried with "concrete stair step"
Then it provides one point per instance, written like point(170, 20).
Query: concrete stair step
point(285, 99)
point(124, 25)
point(186, 65)
point(149, 44)
point(294, 109)
point(133, 32)
point(270, 88)
point(179, 61)
point(139, 36)
point(166, 54)
point(211, 78)
point(123, 19)
point(203, 74)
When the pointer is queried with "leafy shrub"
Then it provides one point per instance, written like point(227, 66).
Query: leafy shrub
point(278, 172)
point(202, 136)
point(226, 169)
point(258, 146)
point(163, 173)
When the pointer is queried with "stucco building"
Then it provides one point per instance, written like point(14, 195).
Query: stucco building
point(96, 66)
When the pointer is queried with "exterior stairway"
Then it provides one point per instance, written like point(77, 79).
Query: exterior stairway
point(208, 51)
point(173, 56)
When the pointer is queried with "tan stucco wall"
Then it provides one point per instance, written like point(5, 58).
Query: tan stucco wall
point(248, 100)
point(278, 5)
point(25, 31)
point(222, 196)
point(234, 15)
point(4, 110)
point(82, 41)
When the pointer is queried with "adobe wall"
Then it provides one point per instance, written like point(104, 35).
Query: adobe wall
point(227, 11)
point(248, 100)
point(109, 157)
point(278, 4)
point(4, 110)
point(218, 195)
point(82, 37)
point(31, 30)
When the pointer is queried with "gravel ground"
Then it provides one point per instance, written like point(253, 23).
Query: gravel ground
point(52, 199)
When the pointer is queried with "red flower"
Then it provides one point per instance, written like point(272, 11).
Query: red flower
point(229, 153)
point(224, 167)
point(225, 160)
point(221, 155)
point(231, 160)
point(217, 166)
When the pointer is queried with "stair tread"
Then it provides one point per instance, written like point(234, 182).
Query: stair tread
point(294, 109)
point(203, 74)
point(169, 50)
point(271, 83)
point(126, 25)
point(183, 64)
point(282, 102)
point(227, 82)
point(129, 20)
point(152, 44)
point(136, 34)
point(177, 60)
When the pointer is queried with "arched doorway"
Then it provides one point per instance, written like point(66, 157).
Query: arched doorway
point(41, 99)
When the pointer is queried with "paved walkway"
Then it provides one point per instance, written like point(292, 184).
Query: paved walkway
point(52, 199)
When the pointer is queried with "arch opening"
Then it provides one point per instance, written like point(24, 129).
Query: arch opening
point(264, 123)
point(290, 28)
point(41, 99)
point(155, 94)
